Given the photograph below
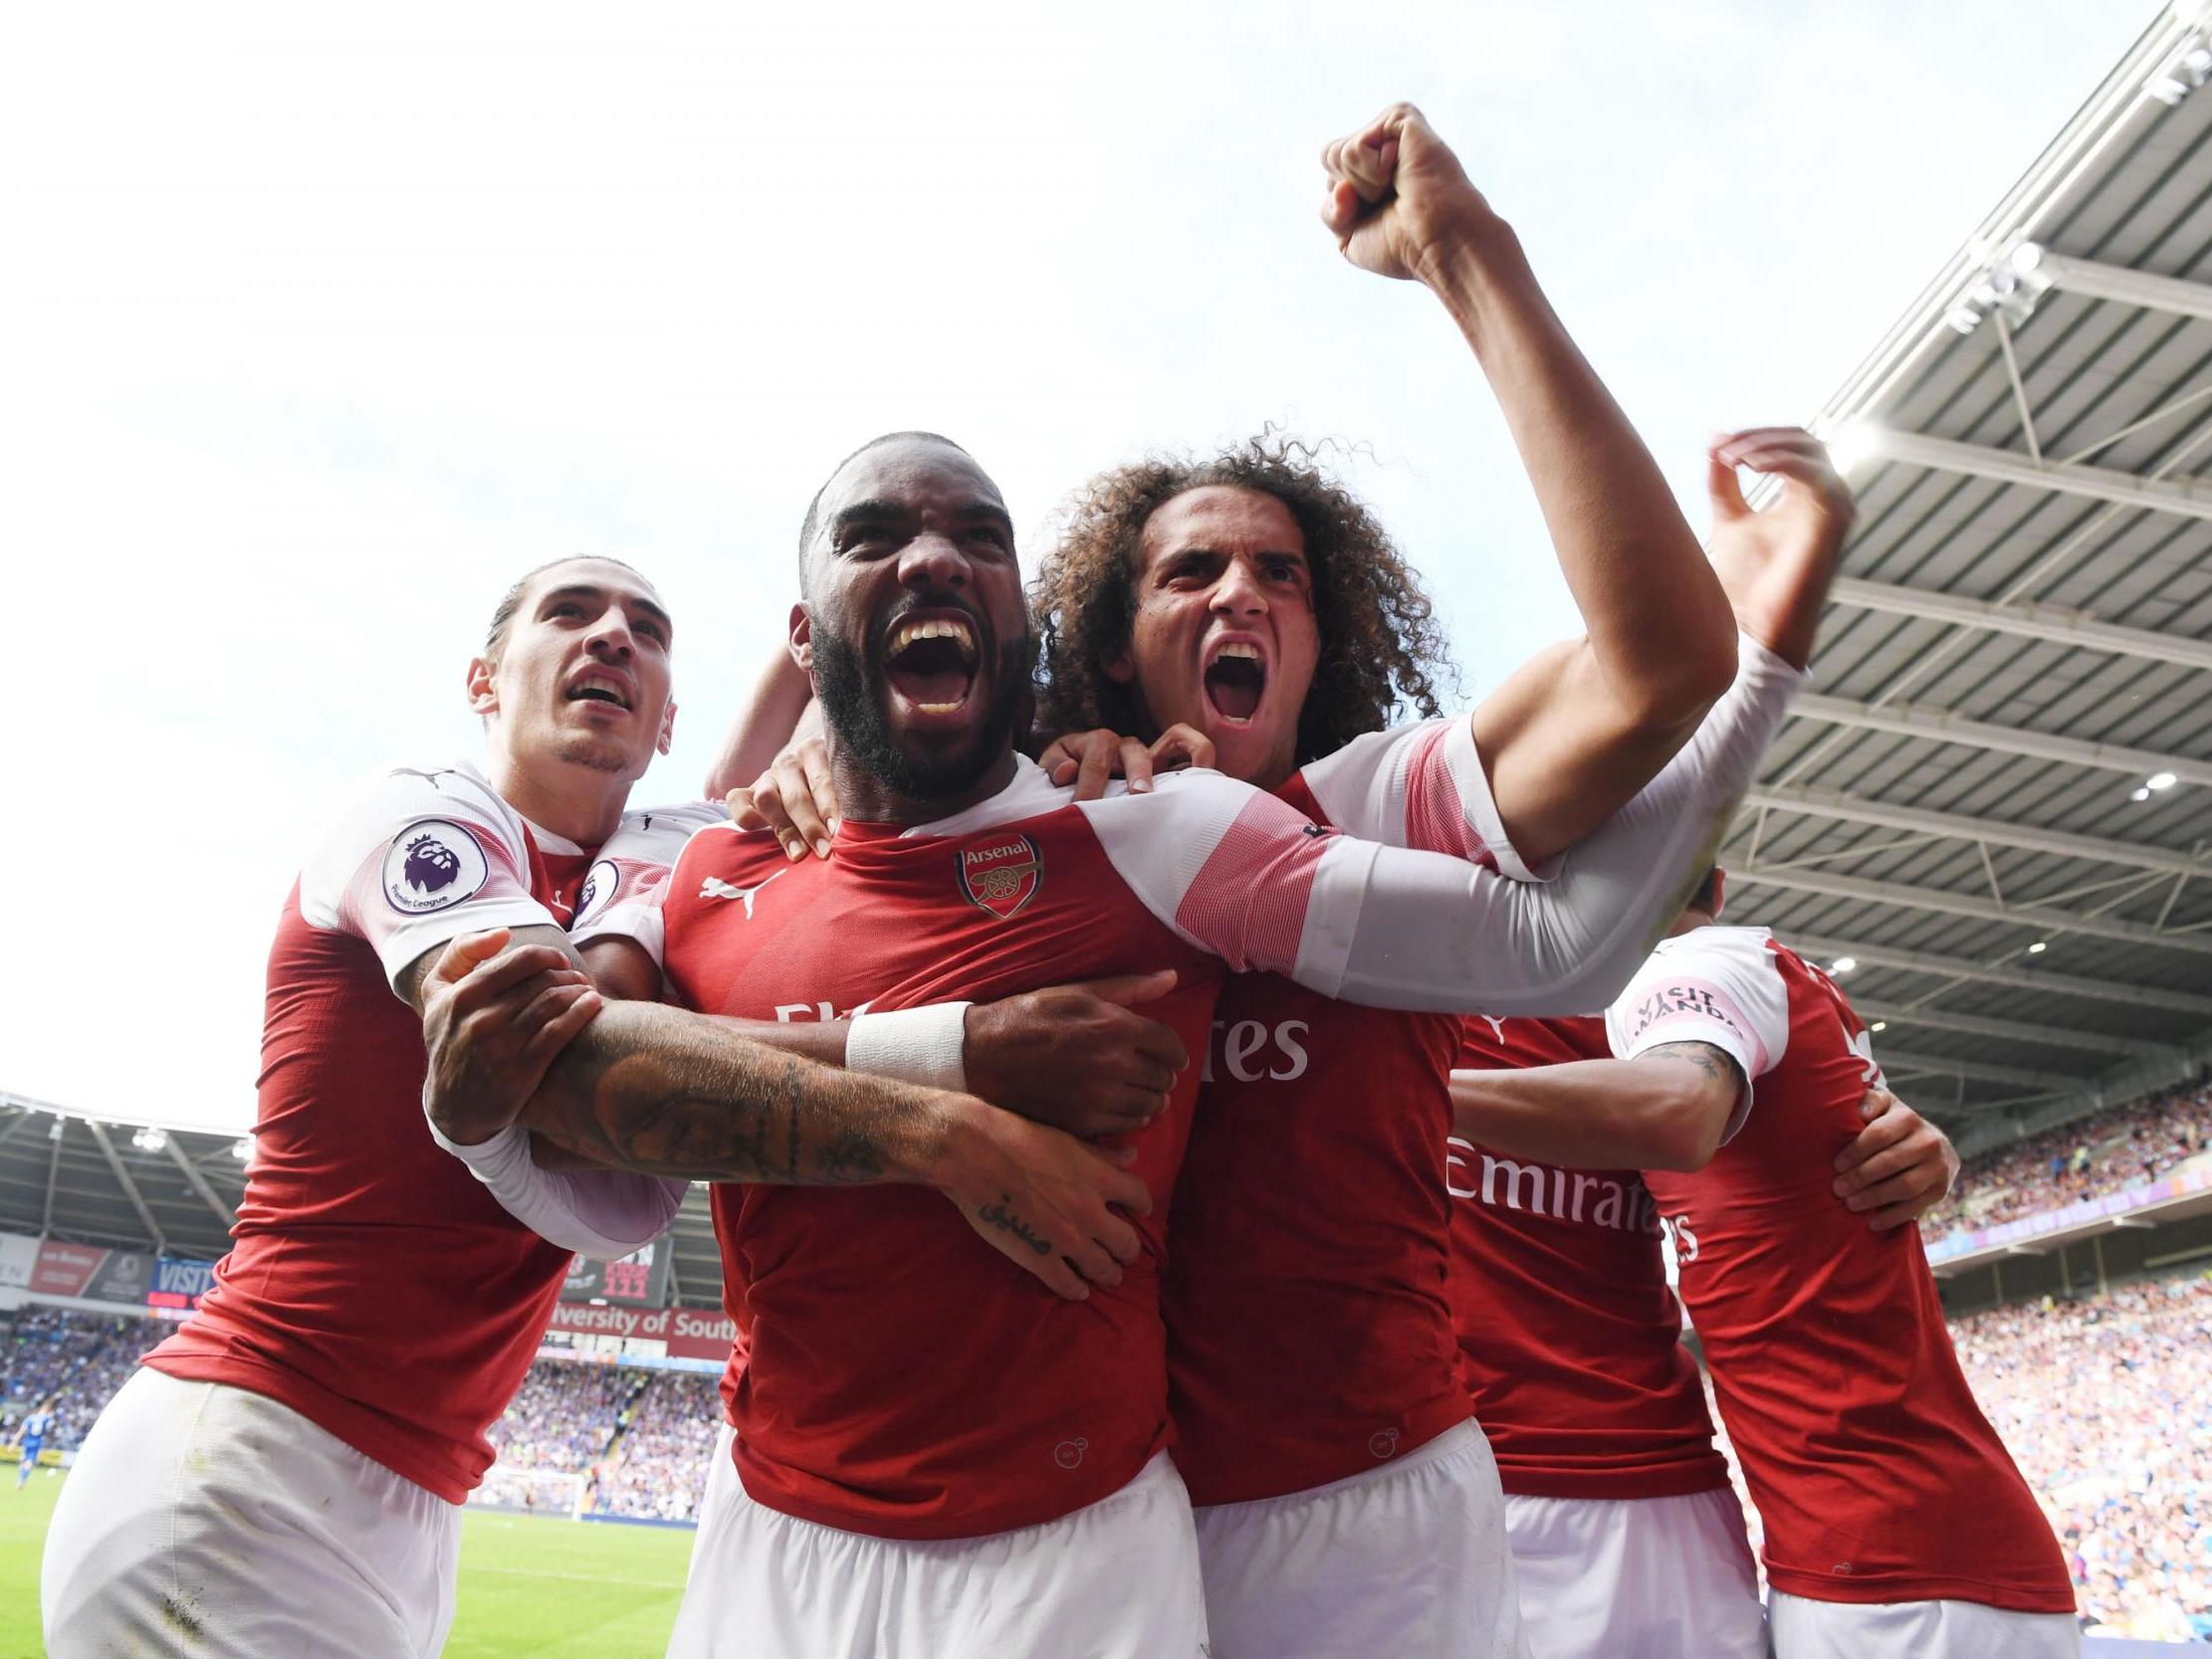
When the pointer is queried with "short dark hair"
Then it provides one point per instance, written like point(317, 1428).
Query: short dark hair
point(811, 522)
point(495, 635)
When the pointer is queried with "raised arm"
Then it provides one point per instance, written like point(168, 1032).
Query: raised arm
point(1586, 724)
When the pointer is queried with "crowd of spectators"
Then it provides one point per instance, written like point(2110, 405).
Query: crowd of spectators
point(2106, 1405)
point(2105, 1401)
point(2120, 1146)
point(75, 1359)
point(659, 1466)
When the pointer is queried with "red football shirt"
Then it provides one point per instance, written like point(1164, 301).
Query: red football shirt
point(365, 1259)
point(1876, 1472)
point(1309, 1329)
point(901, 1377)
point(1569, 1339)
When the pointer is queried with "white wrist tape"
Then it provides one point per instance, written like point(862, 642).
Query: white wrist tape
point(922, 1045)
point(606, 1214)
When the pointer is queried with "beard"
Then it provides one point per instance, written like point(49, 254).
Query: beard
point(854, 698)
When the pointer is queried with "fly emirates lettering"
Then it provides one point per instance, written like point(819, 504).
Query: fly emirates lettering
point(1557, 1195)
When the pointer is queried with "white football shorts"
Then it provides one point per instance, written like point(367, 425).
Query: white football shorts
point(1808, 1629)
point(1636, 1578)
point(1408, 1559)
point(1118, 1579)
point(202, 1519)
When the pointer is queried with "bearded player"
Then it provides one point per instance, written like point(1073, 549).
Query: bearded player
point(1242, 576)
point(960, 872)
point(271, 1482)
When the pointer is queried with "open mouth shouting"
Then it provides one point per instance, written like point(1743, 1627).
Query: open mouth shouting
point(603, 687)
point(1235, 676)
point(928, 662)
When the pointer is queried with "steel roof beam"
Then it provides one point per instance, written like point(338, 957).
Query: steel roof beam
point(2095, 279)
point(1976, 1071)
point(2052, 623)
point(1972, 909)
point(2018, 1031)
point(1825, 803)
point(1823, 948)
point(1911, 720)
point(199, 1183)
point(130, 1186)
point(2186, 498)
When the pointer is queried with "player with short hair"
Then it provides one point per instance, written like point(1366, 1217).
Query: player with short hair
point(30, 1439)
point(1895, 1520)
point(273, 1480)
point(960, 871)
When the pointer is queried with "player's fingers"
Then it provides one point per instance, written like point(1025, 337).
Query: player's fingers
point(1748, 437)
point(1058, 762)
point(742, 813)
point(1918, 1178)
point(1880, 1167)
point(1147, 1076)
point(1881, 1135)
point(1135, 766)
point(1339, 208)
point(462, 955)
point(1725, 488)
point(1123, 1190)
point(803, 820)
point(1097, 766)
point(539, 1011)
point(822, 787)
point(1126, 990)
point(563, 1029)
point(493, 980)
point(1184, 746)
point(1119, 1240)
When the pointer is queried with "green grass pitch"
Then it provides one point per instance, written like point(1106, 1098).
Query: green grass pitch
point(546, 1590)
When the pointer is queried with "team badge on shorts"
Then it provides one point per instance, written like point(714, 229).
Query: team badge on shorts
point(1002, 873)
point(433, 865)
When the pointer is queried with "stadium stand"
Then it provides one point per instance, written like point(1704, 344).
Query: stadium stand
point(2105, 1153)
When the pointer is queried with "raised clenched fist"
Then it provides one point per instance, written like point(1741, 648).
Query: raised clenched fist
point(1397, 196)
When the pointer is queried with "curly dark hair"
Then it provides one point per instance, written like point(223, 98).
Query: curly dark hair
point(1381, 649)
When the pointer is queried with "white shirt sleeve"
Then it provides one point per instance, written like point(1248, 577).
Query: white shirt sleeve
point(1420, 785)
point(1716, 985)
point(1240, 874)
point(419, 858)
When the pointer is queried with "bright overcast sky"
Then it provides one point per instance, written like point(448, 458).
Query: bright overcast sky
point(321, 323)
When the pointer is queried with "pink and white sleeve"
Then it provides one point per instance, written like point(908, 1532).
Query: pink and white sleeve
point(1719, 987)
point(1420, 785)
point(419, 858)
point(621, 897)
point(1243, 874)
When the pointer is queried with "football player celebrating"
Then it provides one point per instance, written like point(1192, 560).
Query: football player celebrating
point(1895, 1520)
point(960, 872)
point(271, 1481)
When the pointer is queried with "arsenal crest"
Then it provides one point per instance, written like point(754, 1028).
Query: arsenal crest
point(1002, 873)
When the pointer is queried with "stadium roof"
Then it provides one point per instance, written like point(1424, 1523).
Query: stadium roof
point(1998, 800)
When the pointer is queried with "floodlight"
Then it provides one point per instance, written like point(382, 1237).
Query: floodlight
point(242, 1149)
point(1851, 444)
point(2039, 947)
point(1880, 1025)
point(2159, 781)
point(150, 1139)
point(1843, 965)
point(2142, 794)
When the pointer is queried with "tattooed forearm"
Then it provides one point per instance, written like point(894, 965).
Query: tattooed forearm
point(657, 1090)
point(1721, 1068)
